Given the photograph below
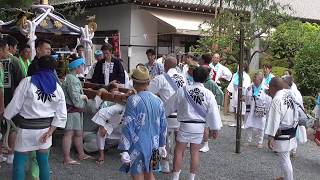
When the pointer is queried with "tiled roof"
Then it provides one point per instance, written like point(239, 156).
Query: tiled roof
point(306, 9)
point(191, 2)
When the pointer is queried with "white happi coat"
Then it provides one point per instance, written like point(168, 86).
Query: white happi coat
point(234, 90)
point(160, 85)
point(109, 117)
point(283, 114)
point(178, 102)
point(252, 120)
point(221, 72)
point(267, 80)
point(296, 93)
point(30, 105)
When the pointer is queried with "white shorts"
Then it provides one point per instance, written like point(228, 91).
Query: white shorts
point(194, 138)
point(29, 140)
point(173, 123)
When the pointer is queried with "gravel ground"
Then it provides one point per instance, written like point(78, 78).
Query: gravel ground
point(221, 163)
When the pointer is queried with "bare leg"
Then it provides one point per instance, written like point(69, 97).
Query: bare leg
point(260, 138)
point(101, 143)
point(195, 158)
point(149, 176)
point(138, 177)
point(66, 146)
point(206, 135)
point(178, 156)
point(226, 102)
point(78, 142)
point(249, 136)
point(205, 147)
point(11, 143)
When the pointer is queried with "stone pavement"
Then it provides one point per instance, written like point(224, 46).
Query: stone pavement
point(220, 163)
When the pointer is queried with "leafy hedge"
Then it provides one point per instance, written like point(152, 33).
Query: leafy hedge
point(307, 68)
point(309, 103)
point(277, 71)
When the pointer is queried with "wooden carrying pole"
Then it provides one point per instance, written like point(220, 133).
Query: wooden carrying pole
point(45, 2)
point(240, 73)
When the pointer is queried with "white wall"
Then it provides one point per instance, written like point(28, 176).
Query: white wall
point(137, 27)
point(115, 17)
point(144, 30)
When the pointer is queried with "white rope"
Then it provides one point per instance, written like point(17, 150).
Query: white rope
point(6, 23)
point(42, 17)
point(70, 25)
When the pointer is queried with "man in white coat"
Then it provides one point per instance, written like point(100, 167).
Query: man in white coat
point(281, 126)
point(219, 71)
point(165, 85)
point(259, 103)
point(233, 88)
point(38, 107)
point(288, 84)
point(196, 106)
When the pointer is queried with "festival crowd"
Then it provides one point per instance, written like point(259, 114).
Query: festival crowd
point(171, 106)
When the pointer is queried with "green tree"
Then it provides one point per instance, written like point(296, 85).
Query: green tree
point(307, 67)
point(8, 8)
point(289, 38)
point(15, 3)
point(260, 16)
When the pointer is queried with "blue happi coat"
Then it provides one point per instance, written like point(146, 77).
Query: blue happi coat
point(144, 129)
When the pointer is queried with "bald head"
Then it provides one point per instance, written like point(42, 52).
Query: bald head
point(258, 78)
point(287, 81)
point(276, 84)
point(216, 58)
point(170, 62)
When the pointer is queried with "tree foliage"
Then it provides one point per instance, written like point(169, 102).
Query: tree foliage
point(15, 3)
point(290, 37)
point(307, 67)
point(7, 8)
point(260, 16)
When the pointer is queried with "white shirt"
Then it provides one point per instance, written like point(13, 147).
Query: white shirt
point(234, 90)
point(296, 93)
point(107, 70)
point(282, 115)
point(267, 80)
point(128, 84)
point(109, 117)
point(30, 105)
point(185, 69)
point(221, 72)
point(263, 99)
point(26, 103)
point(186, 112)
point(160, 85)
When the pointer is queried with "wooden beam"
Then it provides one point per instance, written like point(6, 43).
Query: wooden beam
point(45, 2)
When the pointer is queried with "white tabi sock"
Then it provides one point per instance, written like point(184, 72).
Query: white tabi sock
point(176, 175)
point(10, 158)
point(192, 176)
point(206, 144)
point(205, 147)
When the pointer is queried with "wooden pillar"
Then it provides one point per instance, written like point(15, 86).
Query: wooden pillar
point(45, 2)
point(239, 108)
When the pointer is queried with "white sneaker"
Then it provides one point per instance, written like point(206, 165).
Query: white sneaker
point(10, 159)
point(175, 175)
point(165, 167)
point(204, 149)
point(2, 158)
